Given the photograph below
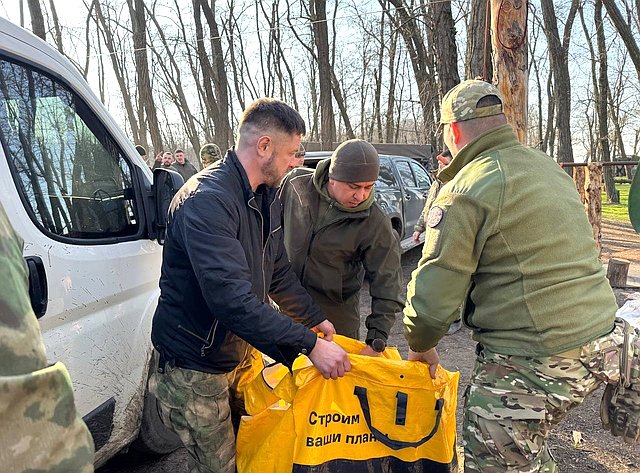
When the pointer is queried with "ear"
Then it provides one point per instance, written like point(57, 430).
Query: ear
point(263, 145)
point(455, 132)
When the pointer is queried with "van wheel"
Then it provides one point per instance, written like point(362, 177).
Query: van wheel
point(154, 437)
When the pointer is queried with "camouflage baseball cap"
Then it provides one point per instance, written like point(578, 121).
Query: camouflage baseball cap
point(461, 102)
point(209, 154)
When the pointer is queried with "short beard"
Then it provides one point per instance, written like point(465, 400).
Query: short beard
point(270, 174)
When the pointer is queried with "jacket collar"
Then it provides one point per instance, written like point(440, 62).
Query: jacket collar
point(232, 158)
point(493, 140)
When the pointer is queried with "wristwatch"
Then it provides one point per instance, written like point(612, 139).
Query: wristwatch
point(378, 345)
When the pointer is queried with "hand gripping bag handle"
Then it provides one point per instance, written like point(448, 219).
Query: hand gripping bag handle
point(361, 393)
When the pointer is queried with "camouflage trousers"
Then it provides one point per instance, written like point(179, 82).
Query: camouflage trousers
point(513, 402)
point(204, 410)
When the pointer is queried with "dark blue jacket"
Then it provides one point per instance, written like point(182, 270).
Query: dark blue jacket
point(223, 256)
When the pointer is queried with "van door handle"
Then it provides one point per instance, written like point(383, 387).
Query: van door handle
point(38, 292)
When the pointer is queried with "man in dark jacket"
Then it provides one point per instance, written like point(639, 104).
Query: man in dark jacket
point(182, 166)
point(223, 258)
point(335, 232)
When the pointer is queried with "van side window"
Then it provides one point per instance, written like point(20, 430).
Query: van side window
point(72, 177)
point(386, 178)
point(405, 174)
point(424, 182)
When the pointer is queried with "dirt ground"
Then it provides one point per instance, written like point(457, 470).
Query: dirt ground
point(597, 451)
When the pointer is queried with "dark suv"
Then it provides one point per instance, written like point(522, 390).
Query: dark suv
point(401, 191)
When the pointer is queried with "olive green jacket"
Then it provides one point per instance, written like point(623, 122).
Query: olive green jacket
point(509, 227)
point(331, 247)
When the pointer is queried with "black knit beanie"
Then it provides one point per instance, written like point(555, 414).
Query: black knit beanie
point(355, 161)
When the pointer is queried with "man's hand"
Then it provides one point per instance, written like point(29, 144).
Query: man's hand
point(368, 351)
point(429, 357)
point(159, 157)
point(330, 359)
point(325, 327)
point(416, 236)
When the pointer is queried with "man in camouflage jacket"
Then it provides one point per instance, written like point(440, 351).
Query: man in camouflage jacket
point(40, 429)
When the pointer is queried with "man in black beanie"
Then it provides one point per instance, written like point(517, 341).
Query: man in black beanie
point(335, 232)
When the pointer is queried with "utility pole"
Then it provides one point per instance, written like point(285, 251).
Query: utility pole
point(510, 66)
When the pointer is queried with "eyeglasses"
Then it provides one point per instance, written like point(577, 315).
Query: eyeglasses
point(300, 155)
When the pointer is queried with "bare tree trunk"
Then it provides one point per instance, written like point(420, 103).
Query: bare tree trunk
point(624, 29)
point(118, 70)
point(601, 104)
point(478, 62)
point(444, 45)
point(377, 113)
point(56, 27)
point(389, 135)
point(175, 89)
point(550, 135)
point(321, 38)
point(219, 76)
point(558, 56)
point(614, 108)
point(145, 95)
point(534, 64)
point(593, 147)
point(421, 60)
point(510, 60)
point(37, 20)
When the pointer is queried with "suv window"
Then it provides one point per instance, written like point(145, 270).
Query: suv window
point(69, 172)
point(424, 182)
point(386, 178)
point(405, 174)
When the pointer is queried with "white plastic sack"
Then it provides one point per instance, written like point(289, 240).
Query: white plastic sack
point(630, 310)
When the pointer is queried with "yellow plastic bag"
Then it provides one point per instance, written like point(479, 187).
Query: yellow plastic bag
point(385, 413)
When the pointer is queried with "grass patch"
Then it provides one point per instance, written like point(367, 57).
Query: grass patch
point(618, 212)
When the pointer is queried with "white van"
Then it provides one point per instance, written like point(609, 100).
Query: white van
point(82, 199)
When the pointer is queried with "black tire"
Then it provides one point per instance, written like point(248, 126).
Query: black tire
point(154, 437)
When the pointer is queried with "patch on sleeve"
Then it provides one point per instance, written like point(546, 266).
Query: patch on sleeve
point(435, 216)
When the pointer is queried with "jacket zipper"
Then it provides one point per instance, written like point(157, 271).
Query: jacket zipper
point(313, 236)
point(208, 342)
point(264, 245)
point(210, 338)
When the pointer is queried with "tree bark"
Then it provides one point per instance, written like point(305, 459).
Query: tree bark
point(508, 35)
point(558, 56)
point(145, 94)
point(420, 58)
point(37, 20)
point(593, 201)
point(478, 62)
point(321, 39)
point(444, 46)
point(624, 30)
point(219, 76)
point(601, 105)
point(118, 70)
point(56, 27)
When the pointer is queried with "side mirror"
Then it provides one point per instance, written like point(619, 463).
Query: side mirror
point(166, 184)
